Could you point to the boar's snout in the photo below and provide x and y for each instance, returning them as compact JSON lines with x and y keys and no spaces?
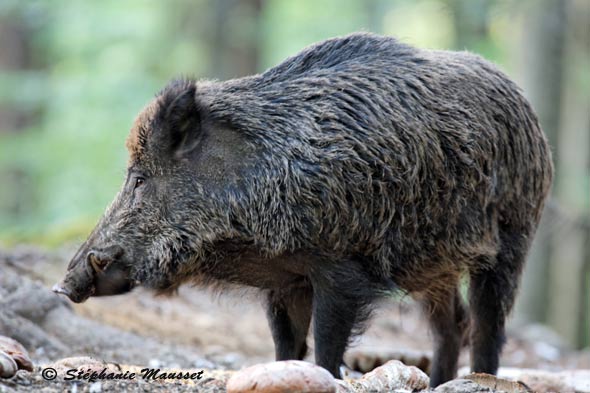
{"x":96,"y":272}
{"x":58,"y":288}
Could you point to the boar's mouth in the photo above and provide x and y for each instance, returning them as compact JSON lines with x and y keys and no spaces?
{"x":98,"y":273}
{"x":76,"y":297}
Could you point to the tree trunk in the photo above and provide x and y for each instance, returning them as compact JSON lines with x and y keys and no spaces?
{"x":471,"y":22}
{"x":236,"y":43}
{"x":568,"y":282}
{"x":14,"y":57}
{"x":542,"y":49}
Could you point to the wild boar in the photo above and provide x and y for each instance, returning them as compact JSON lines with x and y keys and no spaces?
{"x":358,"y":166}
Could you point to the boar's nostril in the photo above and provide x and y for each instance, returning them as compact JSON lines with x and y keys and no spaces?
{"x":61,"y":290}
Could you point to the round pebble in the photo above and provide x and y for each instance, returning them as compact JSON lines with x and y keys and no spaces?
{"x":17,"y":352}
{"x":8,"y":366}
{"x":282,"y":377}
{"x":391,"y":376}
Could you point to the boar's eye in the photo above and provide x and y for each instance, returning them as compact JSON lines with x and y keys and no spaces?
{"x":139,"y":182}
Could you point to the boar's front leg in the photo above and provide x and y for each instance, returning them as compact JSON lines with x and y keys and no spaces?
{"x":342,"y":296}
{"x":289,"y":315}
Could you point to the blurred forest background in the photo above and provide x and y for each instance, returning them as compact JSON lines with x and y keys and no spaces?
{"x":73,"y":75}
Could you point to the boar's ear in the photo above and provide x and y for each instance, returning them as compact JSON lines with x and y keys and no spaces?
{"x":183,"y":119}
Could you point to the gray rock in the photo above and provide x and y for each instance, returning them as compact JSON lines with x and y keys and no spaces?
{"x":463,"y":386}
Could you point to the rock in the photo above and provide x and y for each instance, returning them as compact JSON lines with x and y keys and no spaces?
{"x":285,"y":376}
{"x":8,"y":366}
{"x":496,"y":383}
{"x":463,"y":386}
{"x":393,"y":375}
{"x":344,"y":387}
{"x":368,"y":358}
{"x":17,"y":352}
{"x":480,"y":383}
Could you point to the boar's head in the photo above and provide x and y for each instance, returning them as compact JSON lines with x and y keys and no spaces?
{"x":173,"y":206}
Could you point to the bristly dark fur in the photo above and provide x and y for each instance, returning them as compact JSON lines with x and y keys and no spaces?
{"x":358,"y":164}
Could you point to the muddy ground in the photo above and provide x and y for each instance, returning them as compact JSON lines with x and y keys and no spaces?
{"x":196,"y":330}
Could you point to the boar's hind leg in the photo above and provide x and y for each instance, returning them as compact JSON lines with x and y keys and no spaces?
{"x":491,"y":297}
{"x":342,"y":295}
{"x":289,"y":315}
{"x":448,"y":320}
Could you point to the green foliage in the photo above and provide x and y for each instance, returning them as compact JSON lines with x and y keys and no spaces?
{"x":97,"y":64}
